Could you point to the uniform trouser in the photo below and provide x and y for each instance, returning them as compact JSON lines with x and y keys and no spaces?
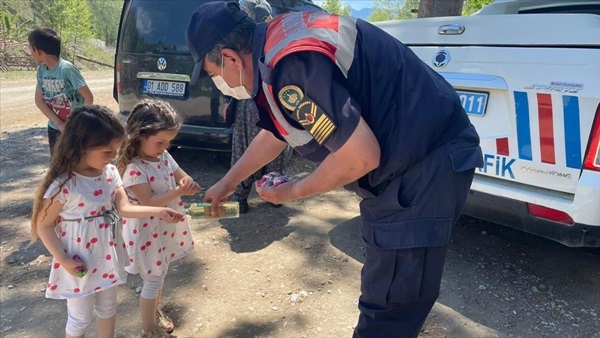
{"x":411,"y":278}
{"x":244,"y":131}
{"x":406,"y":228}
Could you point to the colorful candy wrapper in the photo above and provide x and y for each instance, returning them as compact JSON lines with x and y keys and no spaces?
{"x":79,"y":270}
{"x":272,"y":179}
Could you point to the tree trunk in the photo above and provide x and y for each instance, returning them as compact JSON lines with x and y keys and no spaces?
{"x":429,"y":8}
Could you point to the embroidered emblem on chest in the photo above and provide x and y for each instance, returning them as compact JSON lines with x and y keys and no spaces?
{"x":290,"y":96}
{"x":314,"y":119}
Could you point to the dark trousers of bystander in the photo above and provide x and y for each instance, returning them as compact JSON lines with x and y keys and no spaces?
{"x":244,"y":131}
{"x":53,"y":135}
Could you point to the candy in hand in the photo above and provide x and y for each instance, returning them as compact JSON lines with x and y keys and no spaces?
{"x":79,"y":270}
{"x":272,"y":179}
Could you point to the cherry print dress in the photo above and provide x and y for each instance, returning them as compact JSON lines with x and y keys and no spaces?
{"x":152,"y":243}
{"x":84,"y":230}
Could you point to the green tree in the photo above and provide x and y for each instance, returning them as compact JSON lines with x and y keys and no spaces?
{"x":13,"y":26}
{"x":407,"y":9}
{"x":393,"y":10}
{"x":105,"y":19}
{"x":70,"y":18}
{"x":336,"y":7}
{"x":472,"y":6}
{"x":77,"y":25}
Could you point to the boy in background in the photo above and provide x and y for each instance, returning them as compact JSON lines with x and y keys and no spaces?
{"x":60,"y":86}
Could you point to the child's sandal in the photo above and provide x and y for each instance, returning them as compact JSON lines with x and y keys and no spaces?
{"x":157,"y":332}
{"x":164,"y":322}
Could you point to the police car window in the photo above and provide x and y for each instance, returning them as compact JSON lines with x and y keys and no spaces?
{"x":157,"y":26}
{"x":569,"y":9}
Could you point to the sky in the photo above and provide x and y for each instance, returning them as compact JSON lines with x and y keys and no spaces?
{"x":356,"y":4}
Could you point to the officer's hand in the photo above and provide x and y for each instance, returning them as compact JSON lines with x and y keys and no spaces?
{"x":276,"y":195}
{"x":216,"y":194}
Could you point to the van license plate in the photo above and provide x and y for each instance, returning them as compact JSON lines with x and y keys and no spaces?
{"x":474,"y":103}
{"x":167,"y":88}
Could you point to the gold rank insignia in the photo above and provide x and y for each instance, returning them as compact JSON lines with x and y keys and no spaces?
{"x":314,"y":119}
{"x":290,"y":96}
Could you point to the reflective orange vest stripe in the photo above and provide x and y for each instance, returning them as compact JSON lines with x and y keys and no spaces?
{"x":332,"y":35}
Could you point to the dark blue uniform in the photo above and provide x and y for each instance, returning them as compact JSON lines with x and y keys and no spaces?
{"x":428,"y":152}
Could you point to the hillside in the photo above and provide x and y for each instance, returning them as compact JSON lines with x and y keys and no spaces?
{"x":23,"y":7}
{"x":19,"y":17}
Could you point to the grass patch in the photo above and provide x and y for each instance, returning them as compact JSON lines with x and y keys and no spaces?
{"x":98,"y":54}
{"x":18,"y":74}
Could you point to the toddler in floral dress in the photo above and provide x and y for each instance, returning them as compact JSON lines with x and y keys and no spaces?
{"x":152,"y":177}
{"x":75,"y":214}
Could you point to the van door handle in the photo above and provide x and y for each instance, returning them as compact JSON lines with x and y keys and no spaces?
{"x":475,"y":81}
{"x":453,"y":29}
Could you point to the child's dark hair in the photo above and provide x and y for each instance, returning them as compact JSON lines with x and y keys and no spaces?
{"x":45,"y":39}
{"x":147,"y":118}
{"x":86,"y":128}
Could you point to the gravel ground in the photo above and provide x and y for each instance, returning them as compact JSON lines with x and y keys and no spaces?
{"x":287,"y":272}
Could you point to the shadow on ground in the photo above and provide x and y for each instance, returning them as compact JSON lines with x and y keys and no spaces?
{"x":256,"y":230}
{"x":21,"y":154}
{"x":347,"y":238}
{"x":24,"y":157}
{"x":502,"y":264}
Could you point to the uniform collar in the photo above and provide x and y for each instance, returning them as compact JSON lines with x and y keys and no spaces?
{"x":258,"y":43}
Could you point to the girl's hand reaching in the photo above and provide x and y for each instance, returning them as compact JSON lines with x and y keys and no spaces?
{"x":187,"y":186}
{"x":169,"y":215}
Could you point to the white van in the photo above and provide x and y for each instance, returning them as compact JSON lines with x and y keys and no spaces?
{"x":528,"y":75}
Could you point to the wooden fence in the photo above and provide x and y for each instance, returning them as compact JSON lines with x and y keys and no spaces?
{"x":14,"y":55}
{"x":17,"y":63}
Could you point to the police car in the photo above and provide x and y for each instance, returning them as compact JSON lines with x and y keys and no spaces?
{"x":528,"y":75}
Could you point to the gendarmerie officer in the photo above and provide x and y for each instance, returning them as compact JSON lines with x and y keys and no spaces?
{"x":378,"y":121}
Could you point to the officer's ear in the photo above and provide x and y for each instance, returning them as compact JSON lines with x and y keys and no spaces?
{"x":231,"y":56}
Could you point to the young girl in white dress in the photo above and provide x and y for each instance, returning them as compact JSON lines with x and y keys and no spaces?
{"x":75,"y":214}
{"x":152,"y":177}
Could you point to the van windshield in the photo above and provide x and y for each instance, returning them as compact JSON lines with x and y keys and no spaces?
{"x":152,"y":26}
{"x":157,"y":26}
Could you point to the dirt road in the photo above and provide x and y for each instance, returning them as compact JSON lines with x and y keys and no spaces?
{"x":245,"y":276}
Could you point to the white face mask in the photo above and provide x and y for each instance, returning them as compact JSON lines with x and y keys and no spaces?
{"x":239,"y":92}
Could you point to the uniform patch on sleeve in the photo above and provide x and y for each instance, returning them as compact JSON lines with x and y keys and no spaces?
{"x":314,"y":119}
{"x":290,"y":96}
